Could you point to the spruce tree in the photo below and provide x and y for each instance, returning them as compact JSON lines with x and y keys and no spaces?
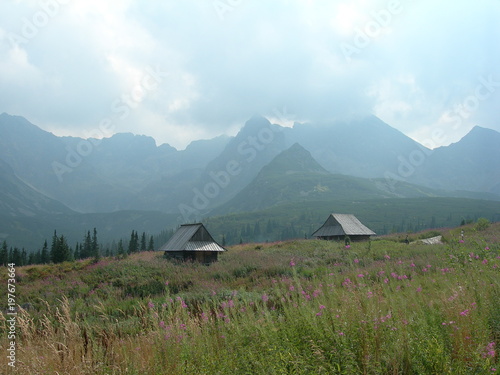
{"x":16,"y":257}
{"x":45,"y":256}
{"x":86,"y":251}
{"x":121,"y":250}
{"x":151,"y":245}
{"x":4,"y":254}
{"x":95,"y":247}
{"x":133,"y":245}
{"x":143,"y":241}
{"x":53,"y":247}
{"x":24,"y":257}
{"x":76,"y":254}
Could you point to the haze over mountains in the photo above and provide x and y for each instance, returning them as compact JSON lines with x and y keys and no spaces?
{"x":262,"y":166}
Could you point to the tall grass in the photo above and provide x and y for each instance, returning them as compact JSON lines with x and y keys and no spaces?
{"x":302,"y":307}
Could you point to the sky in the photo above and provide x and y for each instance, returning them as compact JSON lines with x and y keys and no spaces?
{"x":185,"y":70}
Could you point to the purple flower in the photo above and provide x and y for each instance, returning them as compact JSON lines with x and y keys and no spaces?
{"x":489,"y":350}
{"x":151,"y":304}
{"x":265,"y":298}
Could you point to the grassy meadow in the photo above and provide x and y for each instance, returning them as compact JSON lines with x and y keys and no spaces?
{"x":295,"y":307}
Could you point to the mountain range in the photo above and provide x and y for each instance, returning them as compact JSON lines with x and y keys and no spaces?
{"x":264,"y":165}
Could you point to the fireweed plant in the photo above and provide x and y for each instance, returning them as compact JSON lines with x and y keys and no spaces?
{"x":298,"y":307}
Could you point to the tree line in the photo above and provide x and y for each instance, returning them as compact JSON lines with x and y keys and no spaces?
{"x":89,"y":247}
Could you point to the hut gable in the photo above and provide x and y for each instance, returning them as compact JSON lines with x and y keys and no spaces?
{"x":338,"y":226}
{"x":192,"y":242}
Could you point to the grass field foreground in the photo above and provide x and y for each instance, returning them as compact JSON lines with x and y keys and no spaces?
{"x":297,"y":307}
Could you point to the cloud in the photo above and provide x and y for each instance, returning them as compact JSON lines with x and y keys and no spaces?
{"x":409,"y":62}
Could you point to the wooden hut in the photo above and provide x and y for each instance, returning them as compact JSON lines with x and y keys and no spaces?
{"x":192,"y":242}
{"x":342,"y":226}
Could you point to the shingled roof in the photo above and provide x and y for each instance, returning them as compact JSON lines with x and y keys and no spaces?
{"x":342,"y":225}
{"x":192,"y":237}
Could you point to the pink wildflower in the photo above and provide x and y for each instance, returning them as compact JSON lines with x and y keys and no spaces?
{"x":151,"y":304}
{"x":356,"y":261}
{"x":292,"y":263}
{"x":489,"y":351}
{"x":265,"y":298}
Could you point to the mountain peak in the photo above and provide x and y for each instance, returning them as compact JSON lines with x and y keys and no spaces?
{"x":479,"y":137}
{"x":292,"y":160}
{"x":254,"y":124}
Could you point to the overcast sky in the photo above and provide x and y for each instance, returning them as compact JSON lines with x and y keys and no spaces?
{"x":185,"y":70}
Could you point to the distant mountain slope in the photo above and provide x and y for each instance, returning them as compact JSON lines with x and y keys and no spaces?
{"x":96,"y":175}
{"x":294,"y":176}
{"x":129,"y":172}
{"x":472,"y":164}
{"x":365,"y":147}
{"x":19,"y":199}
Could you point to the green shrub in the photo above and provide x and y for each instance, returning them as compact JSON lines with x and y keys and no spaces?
{"x":482,"y":224}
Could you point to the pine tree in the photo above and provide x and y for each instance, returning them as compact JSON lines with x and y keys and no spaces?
{"x":64,"y":250}
{"x":95,"y":247}
{"x":53,"y":247}
{"x":77,"y":254}
{"x":45,"y":256}
{"x":86,"y":251}
{"x":121,"y":251}
{"x":37,"y":258}
{"x":143,"y":241}
{"x":16,"y":257}
{"x":4,"y":254}
{"x":24,"y":257}
{"x":133,"y":245}
{"x":151,"y":246}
